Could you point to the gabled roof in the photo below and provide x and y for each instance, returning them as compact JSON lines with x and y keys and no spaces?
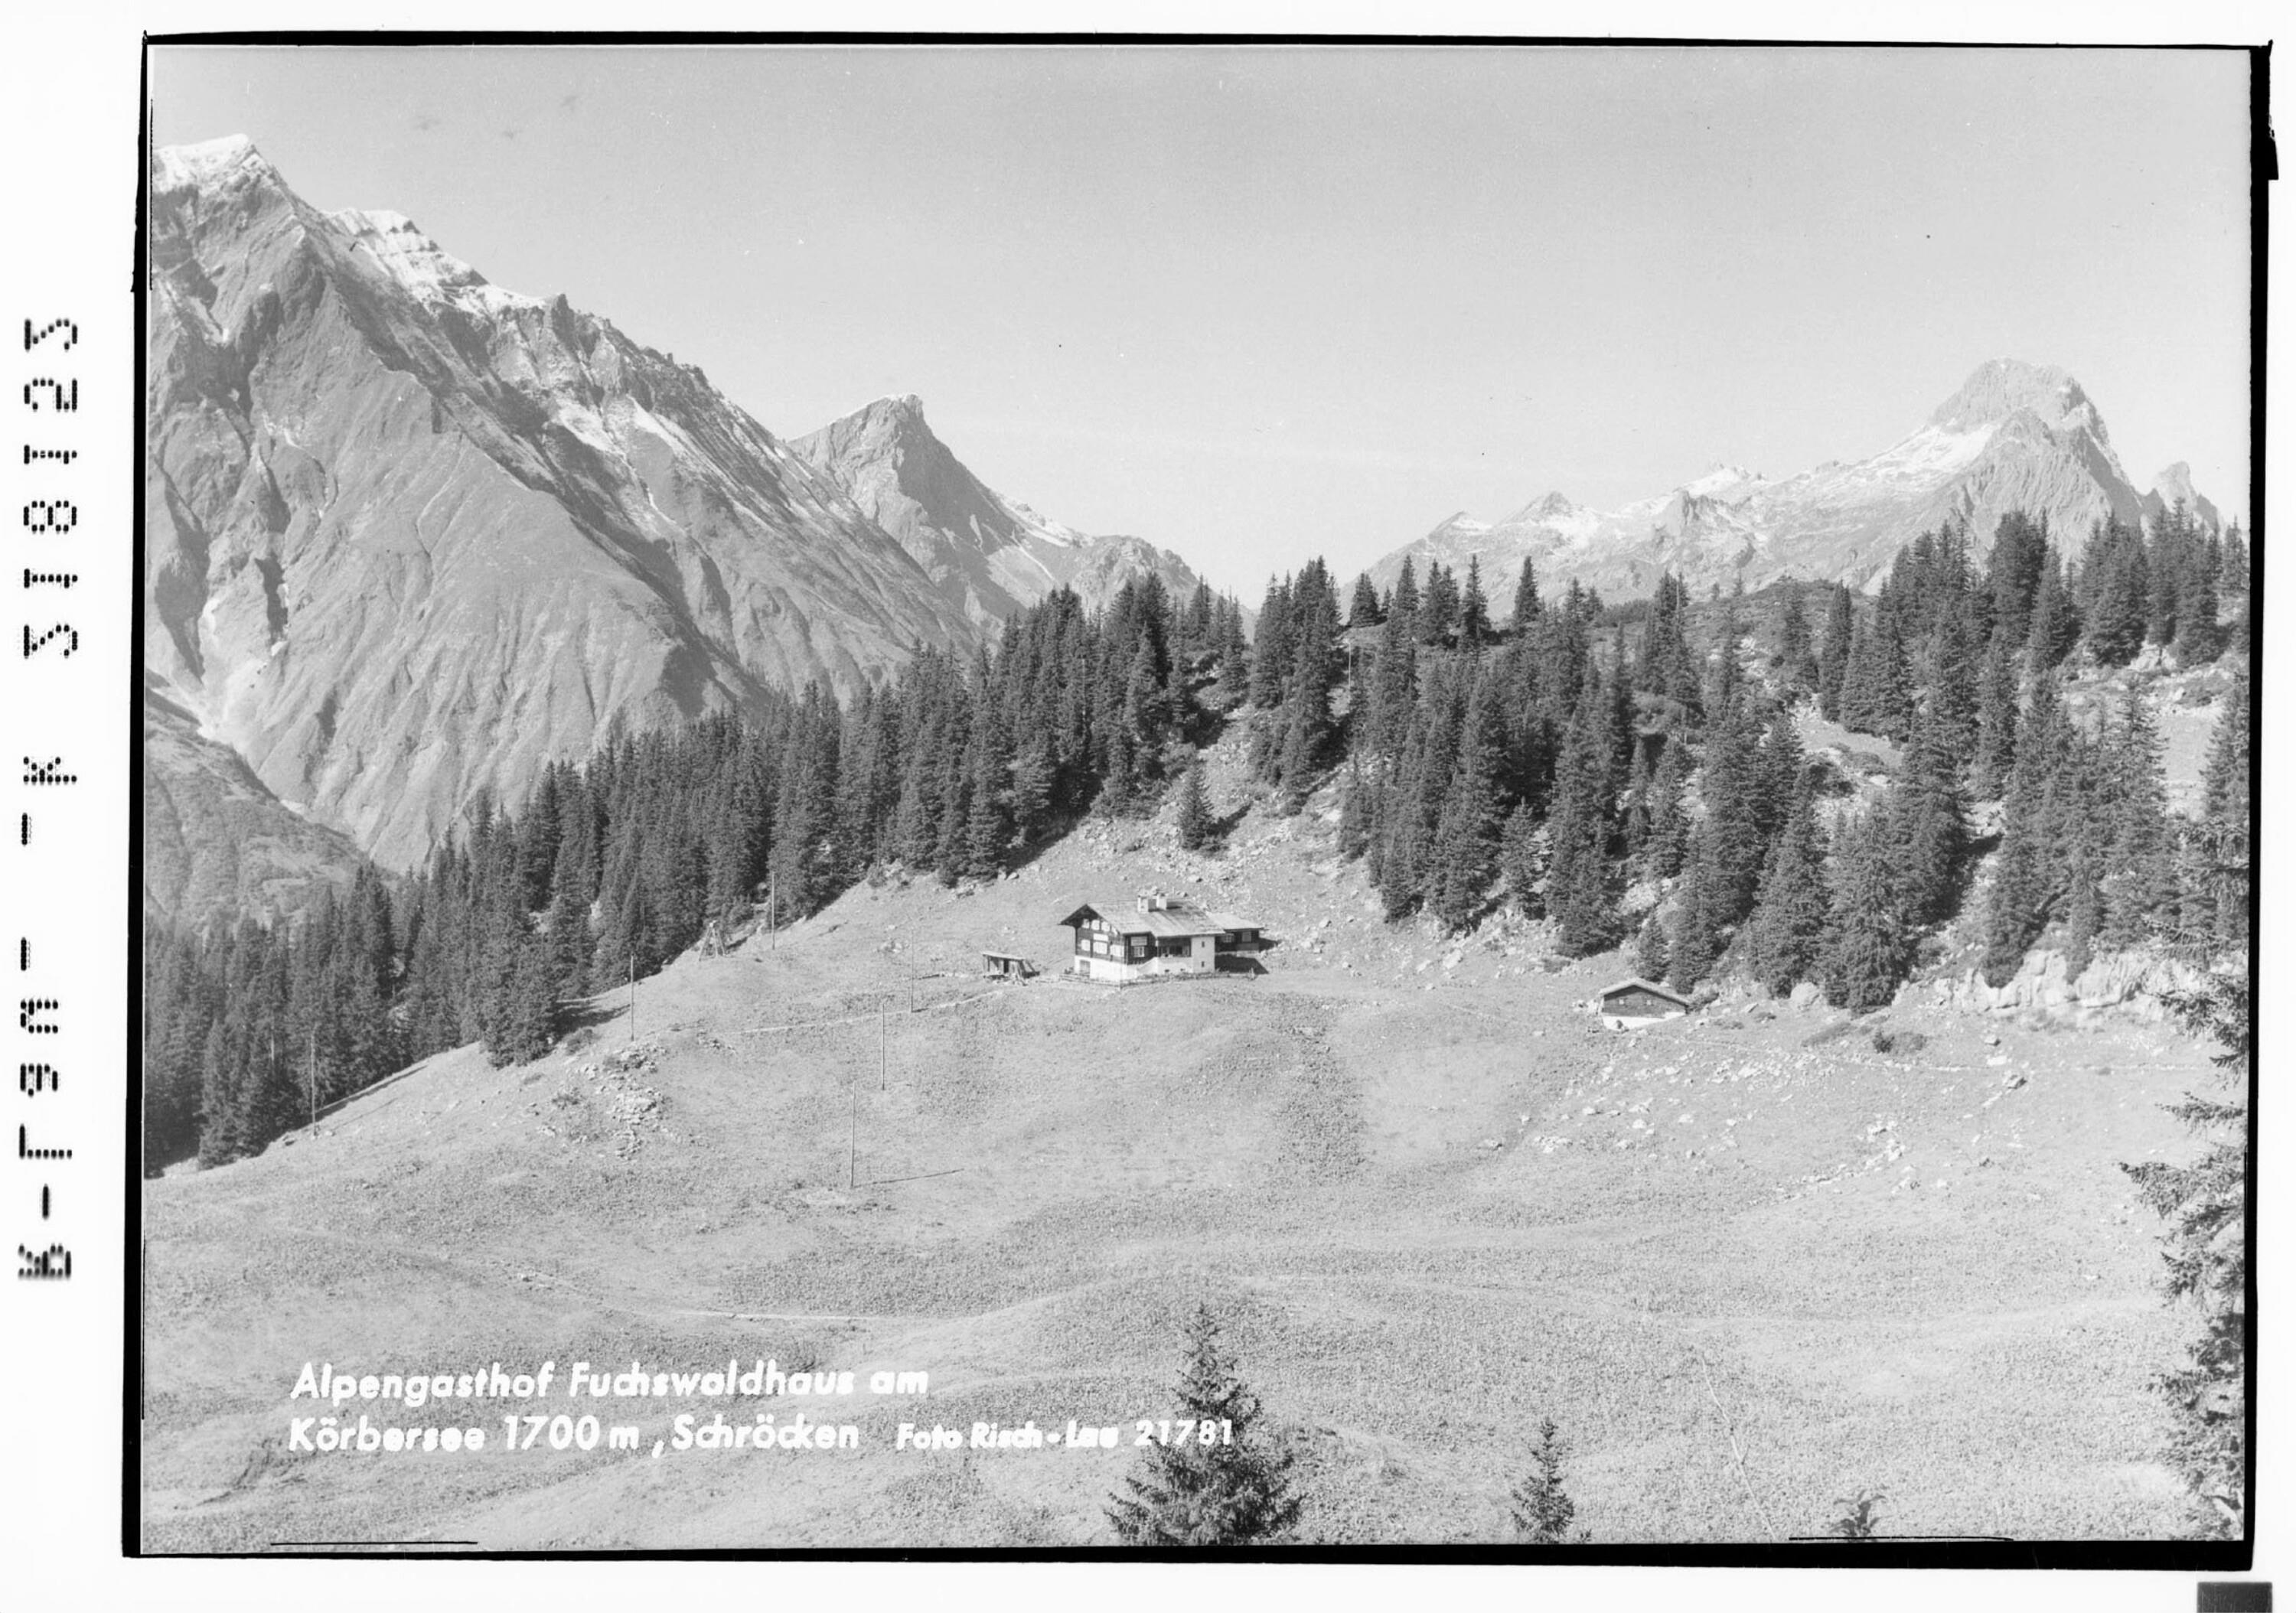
{"x":1175,"y":921}
{"x":1636,"y":983}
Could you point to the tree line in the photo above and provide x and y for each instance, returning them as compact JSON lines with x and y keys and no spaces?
{"x":1647,"y":786}
{"x":612,"y":866}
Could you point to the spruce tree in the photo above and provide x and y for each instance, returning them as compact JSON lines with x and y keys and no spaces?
{"x":2223,"y":833}
{"x":989,"y":821}
{"x":1195,"y":817}
{"x":1523,"y":860}
{"x":1034,"y":779}
{"x":1363,"y":610}
{"x":568,"y":939}
{"x":1997,"y":717}
{"x":1667,"y":839}
{"x":2084,"y":911}
{"x":1858,"y":703}
{"x":1582,"y":895}
{"x":2142,"y":889}
{"x":1950,"y":678}
{"x":1466,"y":847}
{"x":1394,"y":689}
{"x":1438,"y":606}
{"x":1790,"y":915}
{"x":2205,"y":1204}
{"x":2056,"y":620}
{"x":1866,"y":950}
{"x":2013,"y":573}
{"x":1695,"y":942}
{"x":2117,"y":594}
{"x":1226,"y":1483}
{"x":1798,"y":668}
{"x":527,"y":1022}
{"x":1652,"y":957}
{"x":1474,"y":609}
{"x":2017,"y":906}
{"x":1541,"y":1510}
{"x":1403,"y":599}
{"x":1526,"y":600}
{"x":1357,"y":808}
{"x":1833,"y":658}
{"x":1925,"y":823}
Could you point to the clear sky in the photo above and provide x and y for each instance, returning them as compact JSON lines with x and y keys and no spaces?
{"x":1255,"y":304}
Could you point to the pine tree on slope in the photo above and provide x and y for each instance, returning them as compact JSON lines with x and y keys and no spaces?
{"x":1866,"y":952}
{"x":1236,"y":1490}
{"x":1195,"y":811}
{"x":1789,"y":925}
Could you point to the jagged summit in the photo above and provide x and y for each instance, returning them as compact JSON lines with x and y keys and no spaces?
{"x":1720,"y":479}
{"x":990,"y":555}
{"x":2173,"y":487}
{"x":209,"y":163}
{"x":2002,"y":386}
{"x":2015,"y":436}
{"x":1546,"y":508}
{"x":412,"y":534}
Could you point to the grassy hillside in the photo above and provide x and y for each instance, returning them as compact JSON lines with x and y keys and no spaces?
{"x":1748,"y":1260}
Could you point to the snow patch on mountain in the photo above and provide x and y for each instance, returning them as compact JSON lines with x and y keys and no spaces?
{"x":421,"y":265}
{"x":2014,"y":436}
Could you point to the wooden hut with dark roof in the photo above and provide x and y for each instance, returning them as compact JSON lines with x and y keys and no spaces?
{"x":1633,"y":1002}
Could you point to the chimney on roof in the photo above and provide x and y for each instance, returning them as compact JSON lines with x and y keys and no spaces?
{"x":1154,"y":901}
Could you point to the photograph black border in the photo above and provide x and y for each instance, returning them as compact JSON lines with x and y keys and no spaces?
{"x":2153,"y":1556}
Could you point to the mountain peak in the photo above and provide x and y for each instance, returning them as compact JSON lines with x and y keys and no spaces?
{"x":210,"y":163}
{"x":1548,"y":507}
{"x":2174,"y":486}
{"x":900,"y":416}
{"x":2003,"y":387}
{"x":1721,"y":478}
{"x":2014,"y":436}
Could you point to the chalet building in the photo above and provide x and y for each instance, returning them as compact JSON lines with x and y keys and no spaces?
{"x":1157,"y":936}
{"x":1633,"y":1002}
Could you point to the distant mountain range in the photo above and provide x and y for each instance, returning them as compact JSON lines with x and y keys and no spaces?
{"x":2015,"y":436}
{"x":412,"y":534}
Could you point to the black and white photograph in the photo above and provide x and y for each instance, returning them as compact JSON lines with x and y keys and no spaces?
{"x":971,"y":796}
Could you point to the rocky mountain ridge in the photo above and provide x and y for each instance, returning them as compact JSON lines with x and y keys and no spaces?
{"x":2015,"y":436}
{"x":989,"y":555}
{"x":412,"y":536}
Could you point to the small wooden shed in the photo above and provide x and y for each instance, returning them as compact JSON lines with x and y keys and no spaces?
{"x":1633,"y":1002}
{"x":1006,"y":965}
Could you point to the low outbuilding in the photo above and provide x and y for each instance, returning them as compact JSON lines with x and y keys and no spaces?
{"x":1633,"y":1002}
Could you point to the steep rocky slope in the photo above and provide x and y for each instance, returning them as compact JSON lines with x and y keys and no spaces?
{"x":2015,"y":436}
{"x":412,"y":534}
{"x":216,"y":844}
{"x":988,"y":554}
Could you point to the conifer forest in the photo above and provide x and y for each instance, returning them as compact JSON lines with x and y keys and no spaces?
{"x":1513,"y":742}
